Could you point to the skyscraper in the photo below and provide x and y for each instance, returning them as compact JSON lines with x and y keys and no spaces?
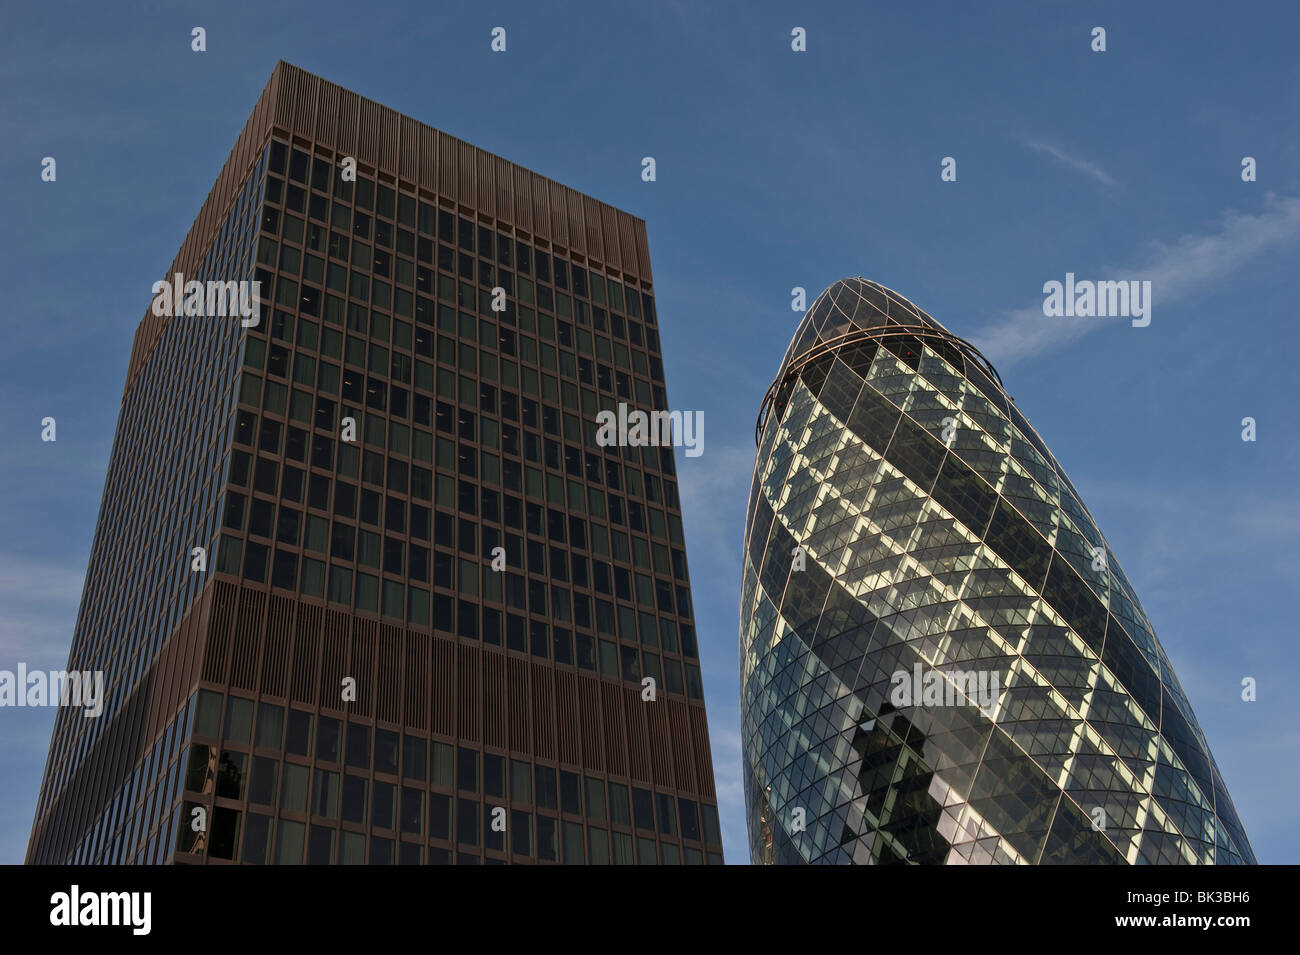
{"x":365,"y":587}
{"x":941,"y":659}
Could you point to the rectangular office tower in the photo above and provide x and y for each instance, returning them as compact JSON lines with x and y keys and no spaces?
{"x":365,"y":587}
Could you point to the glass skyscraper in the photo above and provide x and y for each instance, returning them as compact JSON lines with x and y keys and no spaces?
{"x":365,"y":587}
{"x":941,"y":659}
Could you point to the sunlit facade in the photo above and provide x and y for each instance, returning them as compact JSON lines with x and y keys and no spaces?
{"x":941,"y":659}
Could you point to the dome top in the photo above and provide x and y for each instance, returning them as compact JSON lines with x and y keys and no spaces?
{"x":853,"y":303}
{"x":856,"y":310}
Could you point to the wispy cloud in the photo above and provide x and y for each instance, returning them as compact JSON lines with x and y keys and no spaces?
{"x":1077,"y":163}
{"x":1183,"y":528}
{"x":1175,"y":269}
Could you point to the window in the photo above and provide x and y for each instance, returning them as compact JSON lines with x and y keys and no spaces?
{"x":618,"y":805}
{"x":412,"y":812}
{"x":467,"y":769}
{"x":325,"y":794}
{"x":354,"y":798}
{"x":386,"y":742}
{"x":231,"y":776}
{"x":467,"y":822}
{"x":261,"y":787}
{"x":208,"y":720}
{"x":293,"y":788}
{"x":521,"y":836}
{"x":298,"y":740}
{"x":225,"y":833}
{"x":289,"y":842}
{"x":570,"y":798}
{"x":320,"y":846}
{"x":358,"y":745}
{"x":327,"y":740}
{"x":440,"y":759}
{"x":667,"y":815}
{"x":384,"y":806}
{"x":521,"y":782}
{"x":413,"y":758}
{"x":439,"y":816}
{"x":595,"y":799}
{"x":200,"y":770}
{"x":494,"y":775}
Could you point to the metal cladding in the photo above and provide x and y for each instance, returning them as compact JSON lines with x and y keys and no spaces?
{"x":366,"y":585}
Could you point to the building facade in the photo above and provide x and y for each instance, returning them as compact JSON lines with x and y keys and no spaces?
{"x":365,"y":587}
{"x":941,"y":659}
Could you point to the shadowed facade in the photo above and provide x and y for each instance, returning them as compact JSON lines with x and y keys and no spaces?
{"x":349,"y":679}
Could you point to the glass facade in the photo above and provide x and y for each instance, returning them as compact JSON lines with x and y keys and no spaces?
{"x":941,"y":659}
{"x":162,"y":498}
{"x":367,"y":686}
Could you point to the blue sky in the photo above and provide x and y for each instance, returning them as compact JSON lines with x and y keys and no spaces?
{"x":775,"y":169}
